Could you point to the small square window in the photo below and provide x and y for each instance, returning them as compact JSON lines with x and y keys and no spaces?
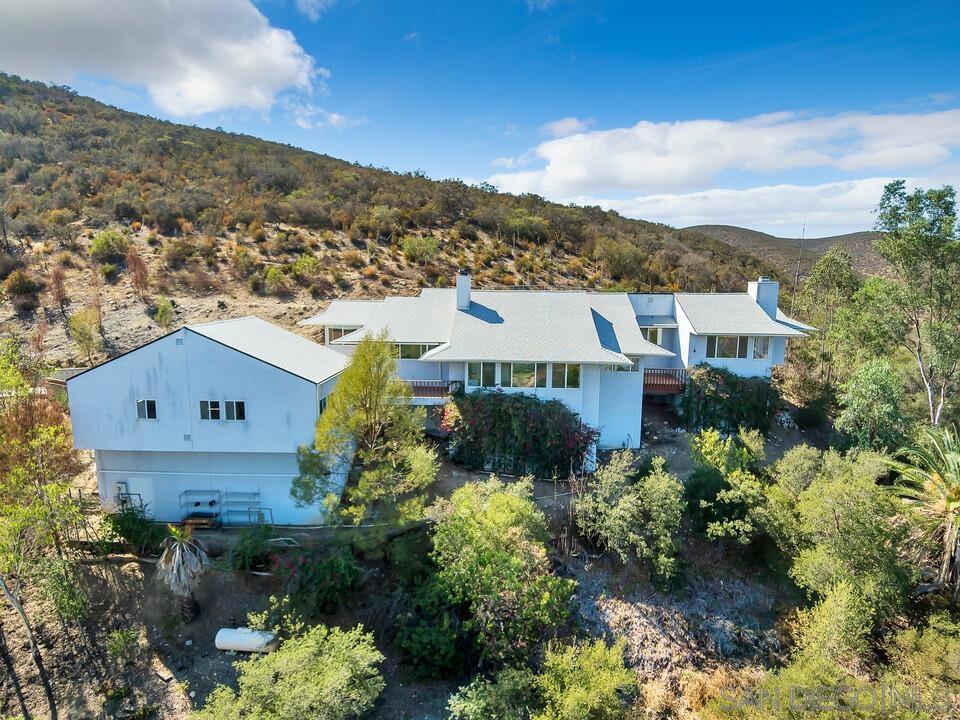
{"x":234,"y":410}
{"x":209,"y":409}
{"x":147,"y":409}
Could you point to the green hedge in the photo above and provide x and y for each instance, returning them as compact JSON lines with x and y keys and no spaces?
{"x":717,"y":398}
{"x":517,"y":433}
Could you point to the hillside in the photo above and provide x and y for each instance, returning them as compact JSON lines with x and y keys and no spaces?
{"x":783,"y":252}
{"x":228,"y":224}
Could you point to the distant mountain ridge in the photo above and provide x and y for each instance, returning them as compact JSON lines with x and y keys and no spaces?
{"x":784,"y":252}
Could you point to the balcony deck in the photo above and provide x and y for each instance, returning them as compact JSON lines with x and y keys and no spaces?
{"x":434,"y":389}
{"x":664,"y":381}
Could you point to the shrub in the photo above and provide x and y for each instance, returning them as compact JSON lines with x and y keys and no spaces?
{"x":419,"y":248}
{"x":60,"y":583}
{"x":177,"y":251}
{"x":109,"y":246}
{"x":490,"y":545}
{"x":429,"y":632}
{"x":164,"y":314}
{"x":511,"y":695}
{"x":275,"y":281}
{"x":319,"y":582}
{"x":837,"y":627}
{"x":251,"y":549}
{"x":327,"y":674}
{"x":517,"y":434}
{"x":717,"y":398}
{"x":109,"y":272}
{"x":641,"y":519}
{"x":122,"y":646}
{"x":585,"y":681}
{"x":85,"y":331}
{"x":132,"y":527}
{"x":725,"y":497}
{"x":20,"y":285}
{"x":306,"y":269}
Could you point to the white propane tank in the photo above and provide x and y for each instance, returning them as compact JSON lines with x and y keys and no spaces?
{"x":246,"y":640}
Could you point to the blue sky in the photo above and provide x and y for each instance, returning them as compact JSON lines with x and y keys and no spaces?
{"x":743,"y":113}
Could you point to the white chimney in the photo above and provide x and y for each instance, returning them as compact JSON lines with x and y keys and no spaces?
{"x":765,"y":293}
{"x":463,"y":290}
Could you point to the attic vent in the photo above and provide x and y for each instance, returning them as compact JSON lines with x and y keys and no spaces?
{"x":179,"y":341}
{"x":186,"y":437}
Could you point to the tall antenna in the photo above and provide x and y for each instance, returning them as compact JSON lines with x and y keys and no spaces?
{"x":796,"y":277}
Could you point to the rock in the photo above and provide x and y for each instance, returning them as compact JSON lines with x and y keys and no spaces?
{"x":164,"y":675}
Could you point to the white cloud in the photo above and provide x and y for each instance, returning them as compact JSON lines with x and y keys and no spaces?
{"x":314,"y":9}
{"x":310,"y":117}
{"x":412,"y":37}
{"x":192,"y":57}
{"x":690,"y":155}
{"x":540,"y":4}
{"x":826,"y":209}
{"x":566,"y":126}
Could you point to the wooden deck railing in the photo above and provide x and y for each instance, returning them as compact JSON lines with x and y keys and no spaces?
{"x":664,"y":381}
{"x":434,"y":388}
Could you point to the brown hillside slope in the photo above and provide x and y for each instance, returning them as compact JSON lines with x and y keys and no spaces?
{"x":783,"y":252}
{"x":229,"y":224}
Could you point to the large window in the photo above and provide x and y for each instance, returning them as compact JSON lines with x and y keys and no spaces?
{"x":147,"y":409}
{"x":412,"y":351}
{"x":761,"y":348}
{"x":231,"y":410}
{"x":652,"y":334}
{"x":566,"y":375}
{"x":481,"y":374}
{"x":523,"y":375}
{"x":727,"y":346}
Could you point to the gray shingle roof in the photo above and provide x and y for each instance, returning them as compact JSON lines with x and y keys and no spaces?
{"x":730,"y":314}
{"x":345,"y":312}
{"x":545,"y":326}
{"x":275,"y":346}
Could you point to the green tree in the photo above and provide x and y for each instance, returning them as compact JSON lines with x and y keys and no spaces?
{"x":870,"y":404}
{"x":929,"y":483}
{"x":489,"y":542}
{"x":510,"y":695}
{"x":85,"y":331}
{"x":792,"y":474}
{"x":829,"y":288}
{"x":921,"y":244}
{"x":324,"y":674}
{"x":369,"y":412}
{"x":851,"y":532}
{"x":641,"y":519}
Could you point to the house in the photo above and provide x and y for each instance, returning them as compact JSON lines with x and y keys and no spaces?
{"x":600,"y":353}
{"x":204,"y":423}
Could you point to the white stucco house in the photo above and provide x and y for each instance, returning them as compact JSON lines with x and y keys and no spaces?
{"x":600,"y":353}
{"x":206,"y":421}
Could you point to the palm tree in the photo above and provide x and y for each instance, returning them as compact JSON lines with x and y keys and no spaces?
{"x":180,"y":566}
{"x":930,"y":483}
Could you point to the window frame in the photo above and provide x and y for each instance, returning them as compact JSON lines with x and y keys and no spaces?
{"x":648,"y":330}
{"x":566,"y":368}
{"x":210,"y":408}
{"x":538,"y":375}
{"x":482,"y":366}
{"x":236,"y":408}
{"x":740,"y":351}
{"x":146,"y":406}
{"x":765,"y":340}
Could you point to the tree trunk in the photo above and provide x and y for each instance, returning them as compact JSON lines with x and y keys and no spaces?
{"x":34,"y":648}
{"x":189,"y":608}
